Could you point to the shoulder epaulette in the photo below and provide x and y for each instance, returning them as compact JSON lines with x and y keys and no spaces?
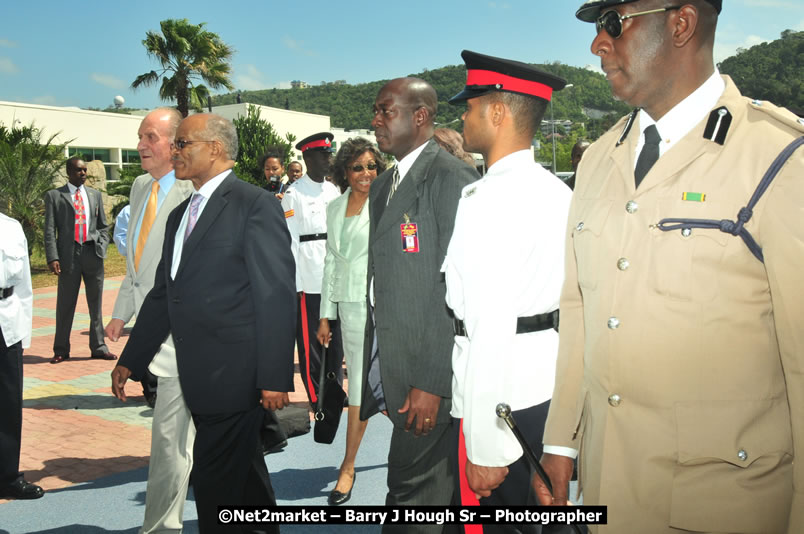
{"x":627,"y":128}
{"x":783,"y":115}
{"x":718,"y":124}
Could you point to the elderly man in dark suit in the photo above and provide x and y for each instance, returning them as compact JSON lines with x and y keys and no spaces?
{"x":412,"y":211}
{"x":225,"y":290}
{"x":76,"y":236}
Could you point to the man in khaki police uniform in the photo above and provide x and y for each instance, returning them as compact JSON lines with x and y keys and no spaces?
{"x":681,"y":362}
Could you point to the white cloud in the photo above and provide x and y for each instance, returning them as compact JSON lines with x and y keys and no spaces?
{"x":298,"y":46}
{"x":8,"y":44}
{"x":107,"y":80}
{"x":724,"y":50}
{"x":7,"y":66}
{"x":284,"y":85}
{"x":251,"y":80}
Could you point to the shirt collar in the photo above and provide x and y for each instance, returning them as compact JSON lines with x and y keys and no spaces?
{"x":208,"y":188}
{"x":683,"y":117}
{"x":407,"y":162}
{"x":73,"y":188}
{"x":166,"y":182}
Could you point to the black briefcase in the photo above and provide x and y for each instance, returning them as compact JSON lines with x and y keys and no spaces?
{"x":329,"y":406}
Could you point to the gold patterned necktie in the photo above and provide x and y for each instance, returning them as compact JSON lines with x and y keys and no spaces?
{"x":147,"y":222}
{"x":394,"y":183}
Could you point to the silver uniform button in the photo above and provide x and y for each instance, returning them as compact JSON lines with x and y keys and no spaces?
{"x":686,"y":232}
{"x":613,"y":323}
{"x":631,"y":206}
{"x":615,"y":400}
{"x":579,"y":226}
{"x":742,"y":455}
{"x":623,"y":264}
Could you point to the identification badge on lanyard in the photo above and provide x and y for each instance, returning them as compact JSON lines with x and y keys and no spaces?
{"x":410,"y":235}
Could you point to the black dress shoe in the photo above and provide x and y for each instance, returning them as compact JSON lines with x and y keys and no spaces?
{"x":21,"y":489}
{"x":58,"y":358}
{"x":336,"y":497}
{"x":104,"y":356}
{"x":150,"y":399}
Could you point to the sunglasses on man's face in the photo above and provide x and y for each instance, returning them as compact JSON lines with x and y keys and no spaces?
{"x":359,"y":168}
{"x":612,"y":22}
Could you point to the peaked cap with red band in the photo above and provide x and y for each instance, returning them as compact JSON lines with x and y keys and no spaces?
{"x":485,"y":74}
{"x":319,"y":141}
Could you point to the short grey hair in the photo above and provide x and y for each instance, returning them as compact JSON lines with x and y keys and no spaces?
{"x":220,"y":129}
{"x":174,"y":119}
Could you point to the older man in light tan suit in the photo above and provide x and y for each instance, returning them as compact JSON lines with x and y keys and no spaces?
{"x":680,"y":377}
{"x":153,"y":197}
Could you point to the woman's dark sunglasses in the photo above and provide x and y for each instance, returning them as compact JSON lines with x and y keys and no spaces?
{"x":612,"y":22}
{"x":359,"y":168}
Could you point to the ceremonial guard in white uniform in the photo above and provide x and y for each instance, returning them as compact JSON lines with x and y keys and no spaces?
{"x":504,"y":271}
{"x":305,"y":205}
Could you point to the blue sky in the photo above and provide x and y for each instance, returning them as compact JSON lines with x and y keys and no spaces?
{"x":84,"y":53}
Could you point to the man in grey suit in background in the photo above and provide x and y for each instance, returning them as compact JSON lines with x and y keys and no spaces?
{"x":76,"y":236}
{"x":412,"y":212}
{"x":153,"y":197}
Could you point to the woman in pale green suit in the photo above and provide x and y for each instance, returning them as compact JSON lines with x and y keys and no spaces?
{"x":343,"y":292}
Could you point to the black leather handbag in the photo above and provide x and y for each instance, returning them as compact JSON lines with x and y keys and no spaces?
{"x":329,"y":406}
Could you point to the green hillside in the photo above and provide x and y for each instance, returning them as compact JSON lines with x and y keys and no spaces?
{"x":771,"y":71}
{"x":349,"y":106}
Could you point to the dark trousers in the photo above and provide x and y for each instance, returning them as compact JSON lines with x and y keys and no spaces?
{"x":229,"y":469}
{"x":10,"y":411}
{"x":307,"y":316}
{"x":420,"y":473}
{"x":87,"y":265}
{"x":515,"y":489}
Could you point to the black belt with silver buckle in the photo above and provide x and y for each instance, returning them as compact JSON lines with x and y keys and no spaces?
{"x":312,"y":237}
{"x":6,"y":292}
{"x":524,"y":325}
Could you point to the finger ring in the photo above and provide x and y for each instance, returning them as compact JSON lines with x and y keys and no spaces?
{"x":427,"y":419}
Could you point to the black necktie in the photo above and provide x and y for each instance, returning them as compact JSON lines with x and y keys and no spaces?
{"x":649,"y":154}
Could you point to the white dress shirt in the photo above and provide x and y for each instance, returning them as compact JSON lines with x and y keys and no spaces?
{"x":505,"y":260}
{"x":205,"y":192}
{"x":16,"y":311}
{"x":305,"y":205}
{"x":680,"y":120}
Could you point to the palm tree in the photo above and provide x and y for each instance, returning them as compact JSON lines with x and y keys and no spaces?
{"x":186,"y":52}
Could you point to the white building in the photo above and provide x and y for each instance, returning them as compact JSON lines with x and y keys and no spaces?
{"x":112,"y":137}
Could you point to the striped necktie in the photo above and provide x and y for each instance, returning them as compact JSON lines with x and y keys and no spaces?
{"x":394,"y":183}
{"x":193,"y":215}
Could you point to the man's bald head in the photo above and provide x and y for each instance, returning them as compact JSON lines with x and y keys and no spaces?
{"x":404,"y":115}
{"x":418,"y":94}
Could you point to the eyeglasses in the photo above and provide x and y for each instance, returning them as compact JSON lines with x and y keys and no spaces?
{"x":180,"y":144}
{"x":612,"y":22}
{"x":359,"y":168}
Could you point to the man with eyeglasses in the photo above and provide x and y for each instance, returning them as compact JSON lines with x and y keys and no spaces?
{"x":305,"y":204}
{"x":153,"y":196}
{"x":681,"y":371}
{"x":224,"y":290}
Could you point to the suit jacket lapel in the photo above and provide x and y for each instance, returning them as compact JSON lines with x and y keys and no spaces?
{"x":214,"y":205}
{"x":65,"y":193}
{"x":408,"y":190}
{"x":338,"y":221}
